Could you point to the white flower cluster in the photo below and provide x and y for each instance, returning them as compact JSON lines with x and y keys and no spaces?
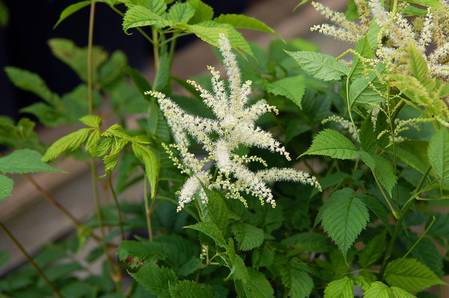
{"x":345,"y":124}
{"x":396,"y":34}
{"x":234,"y":126}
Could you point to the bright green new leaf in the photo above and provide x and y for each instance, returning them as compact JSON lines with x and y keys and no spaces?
{"x":181,"y":12}
{"x":417,"y":64}
{"x":67,"y":143}
{"x":31,"y":82}
{"x":380,"y":290}
{"x":24,"y":161}
{"x":320,"y":66}
{"x":69,"y":10}
{"x":6,"y":186}
{"x":438,"y":154}
{"x":241,"y":21}
{"x":93,"y":121}
{"x":248,"y":236}
{"x":344,"y":216}
{"x":340,"y":288}
{"x":410,"y":275}
{"x":211,"y":230}
{"x":333,"y":144}
{"x":139,"y":16}
{"x":151,"y":164}
{"x":203,"y":12}
{"x":291,"y":87}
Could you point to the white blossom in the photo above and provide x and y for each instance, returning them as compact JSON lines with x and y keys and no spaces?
{"x":234,"y":125}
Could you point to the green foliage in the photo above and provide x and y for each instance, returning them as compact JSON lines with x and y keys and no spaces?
{"x":292,"y":87}
{"x":411,"y":275}
{"x":248,"y":236}
{"x":240,"y":21}
{"x":438,"y":154}
{"x":69,"y":10}
{"x":24,"y":161}
{"x":333,"y":144}
{"x":380,"y":290}
{"x":6,"y":186}
{"x":341,"y":288}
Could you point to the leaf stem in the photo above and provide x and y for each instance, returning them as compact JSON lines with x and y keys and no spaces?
{"x":117,"y":205}
{"x":148,"y":210}
{"x":156,"y":50}
{"x":90,"y":62}
{"x":420,"y":237}
{"x":30,"y":259}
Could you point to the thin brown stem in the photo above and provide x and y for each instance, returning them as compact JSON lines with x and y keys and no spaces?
{"x":30,"y":259}
{"x":117,"y":205}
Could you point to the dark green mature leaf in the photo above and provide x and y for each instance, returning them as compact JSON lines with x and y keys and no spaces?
{"x":373,"y":250}
{"x":382,"y":169}
{"x":191,"y":289}
{"x":217,"y":209}
{"x":291,"y":87}
{"x":411,"y":275}
{"x":69,"y":10}
{"x":157,"y":280}
{"x":308,"y":241}
{"x":24,"y":161}
{"x":68,"y":143}
{"x":297,"y":281}
{"x":151,"y":163}
{"x":75,"y":57}
{"x":203,"y":12}
{"x":380,"y":290}
{"x":163,"y":74}
{"x":241,"y":21}
{"x":333,"y":144}
{"x":6,"y":186}
{"x":320,"y":66}
{"x":211,"y":230}
{"x":257,"y":285}
{"x":413,"y":154}
{"x":248,"y":236}
{"x":31,"y":82}
{"x":438,"y":154}
{"x":340,"y":288}
{"x":4,"y":14}
{"x":344,"y":216}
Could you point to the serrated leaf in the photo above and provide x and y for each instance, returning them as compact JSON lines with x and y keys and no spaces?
{"x":248,"y":236}
{"x":320,"y":66}
{"x":203,"y":12}
{"x":308,"y":241}
{"x":382,"y":169}
{"x":140,"y":16}
{"x":31,"y":82}
{"x":380,"y":290}
{"x":68,"y":143}
{"x":410,"y":275}
{"x":6,"y":186}
{"x":373,"y":250}
{"x":343,"y":218}
{"x":157,"y":280}
{"x":180,"y":12}
{"x":417,"y":64}
{"x":333,"y":144}
{"x":25,"y":161}
{"x":69,"y":10}
{"x":340,"y":288}
{"x":239,"y":272}
{"x":298,"y":282}
{"x":257,"y":285}
{"x":190,"y":289}
{"x":211,"y":230}
{"x":217,"y":209}
{"x":241,"y":21}
{"x":438,"y":154}
{"x":93,"y":121}
{"x":291,"y":87}
{"x":151,"y":164}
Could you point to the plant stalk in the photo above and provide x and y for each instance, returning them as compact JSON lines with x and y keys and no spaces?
{"x":30,"y":259}
{"x":117,"y":205}
{"x":148,"y":210}
{"x":90,"y":62}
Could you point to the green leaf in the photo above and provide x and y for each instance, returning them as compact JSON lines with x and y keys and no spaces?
{"x":373,"y":250}
{"x":24,"y":161}
{"x":69,"y":10}
{"x":4,"y":14}
{"x":75,"y":57}
{"x":217,"y":209}
{"x":203,"y":12}
{"x":190,"y":289}
{"x":382,"y":170}
{"x":239,"y":272}
{"x":163,"y":73}
{"x":210,"y":31}
{"x":68,"y":143}
{"x":248,"y":236}
{"x":308,"y":241}
{"x":6,"y":186}
{"x":113,"y":69}
{"x":181,"y":12}
{"x":333,"y":144}
{"x":211,"y":230}
{"x":410,"y":275}
{"x":157,"y":280}
{"x":413,"y":154}
{"x":291,"y":87}
{"x":320,"y":66}
{"x":241,"y":21}
{"x":380,"y":290}
{"x":417,"y":64}
{"x":93,"y":121}
{"x":31,"y":82}
{"x":340,"y":288}
{"x":151,"y":164}
{"x":257,"y":285}
{"x":343,"y":218}
{"x":438,"y":154}
{"x":298,"y":282}
{"x":139,"y":16}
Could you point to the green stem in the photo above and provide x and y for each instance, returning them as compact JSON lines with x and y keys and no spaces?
{"x":420,"y":237}
{"x":386,"y":197}
{"x":117,"y":205}
{"x":156,"y":50}
{"x":148,"y":210}
{"x":394,"y":9}
{"x":30,"y":259}
{"x":90,"y":62}
{"x":138,"y":29}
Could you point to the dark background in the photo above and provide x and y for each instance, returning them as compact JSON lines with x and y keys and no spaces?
{"x":23,"y":43}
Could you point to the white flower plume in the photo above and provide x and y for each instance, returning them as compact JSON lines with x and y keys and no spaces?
{"x":234,"y":125}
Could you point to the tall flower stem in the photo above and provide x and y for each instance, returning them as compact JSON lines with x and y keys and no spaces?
{"x":117,"y":205}
{"x":148,"y":210}
{"x":30,"y":259}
